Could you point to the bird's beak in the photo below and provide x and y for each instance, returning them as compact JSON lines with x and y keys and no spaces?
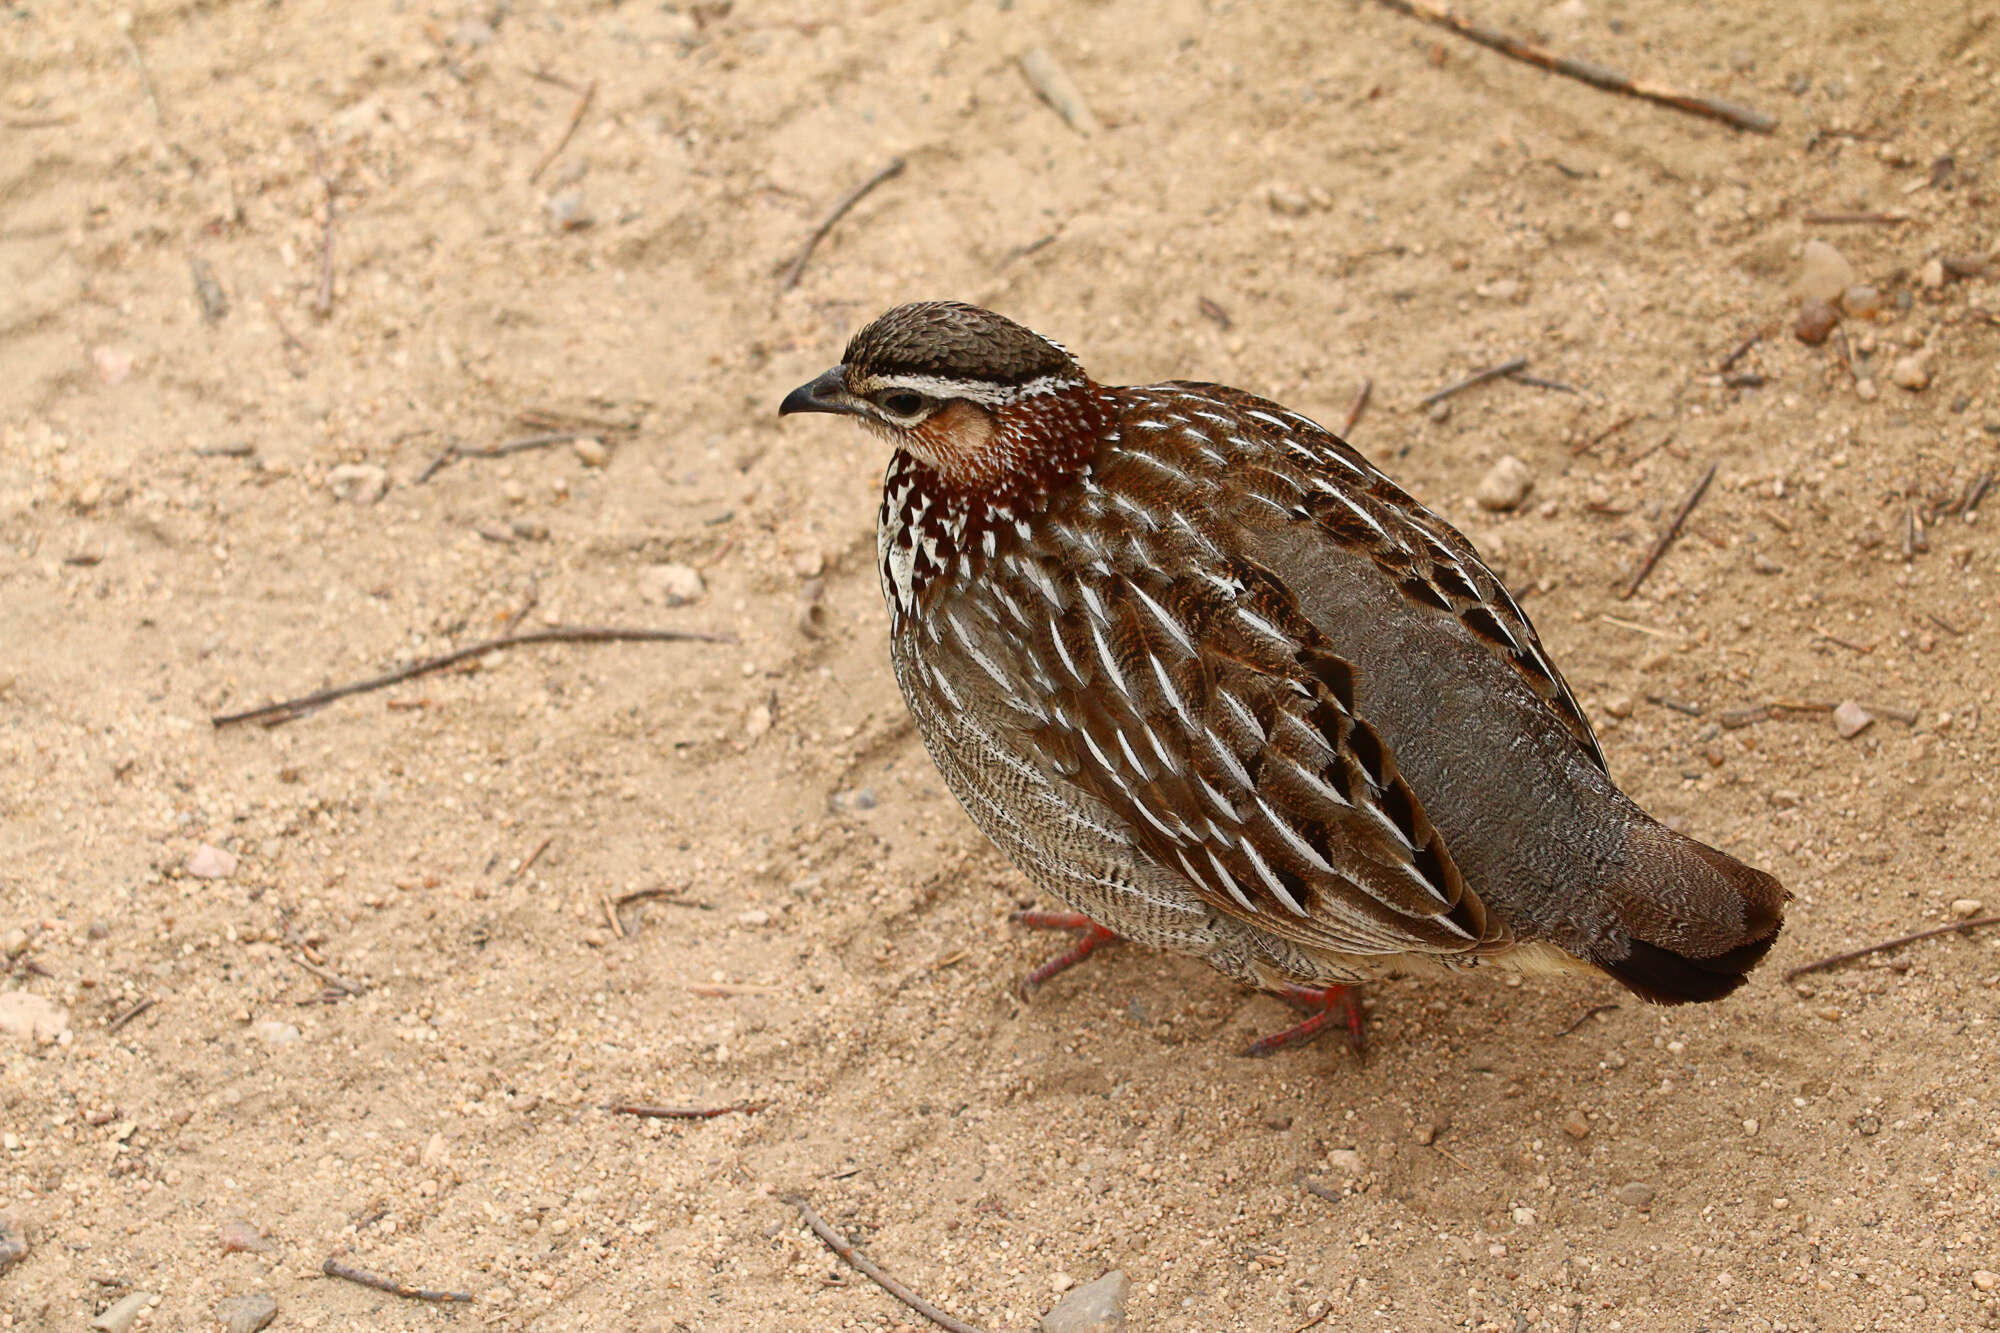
{"x":828,"y":393}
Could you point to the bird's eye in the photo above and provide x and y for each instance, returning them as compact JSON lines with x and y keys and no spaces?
{"x":902,"y":403}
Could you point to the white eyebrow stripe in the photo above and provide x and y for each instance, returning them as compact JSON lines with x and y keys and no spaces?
{"x":979,"y":391}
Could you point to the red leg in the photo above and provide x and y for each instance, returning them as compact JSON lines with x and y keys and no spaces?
{"x":1094,"y":938}
{"x":1322,"y":1003}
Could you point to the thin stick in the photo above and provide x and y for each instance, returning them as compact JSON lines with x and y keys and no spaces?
{"x":335,"y":1268}
{"x":329,"y":976}
{"x":1358,"y":406}
{"x":1314,"y":1188}
{"x":529,"y":859}
{"x":560,"y":634}
{"x":1537,"y":382}
{"x":868,"y":1268}
{"x":145,"y":75}
{"x":665,"y":895}
{"x":1673,"y":529}
{"x":1836,"y":960}
{"x":646,"y":1111}
{"x":1586,"y":1016}
{"x":524,"y":443}
{"x":1597,"y":76}
{"x":1478,"y":377}
{"x":1692,"y":710}
{"x":611,"y":916}
{"x":576,"y":118}
{"x":1863,"y":648}
{"x":1856,"y":219}
{"x":893,"y":167}
{"x":285,"y":330}
{"x":1605,"y":434}
{"x":323,"y":302}
{"x":1738,"y":352}
{"x":1324,"y":1315}
{"x":119,"y":1022}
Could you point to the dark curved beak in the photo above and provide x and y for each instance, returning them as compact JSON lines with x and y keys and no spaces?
{"x":828,"y":393}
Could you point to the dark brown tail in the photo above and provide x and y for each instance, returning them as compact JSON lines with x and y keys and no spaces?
{"x":1697,"y":919}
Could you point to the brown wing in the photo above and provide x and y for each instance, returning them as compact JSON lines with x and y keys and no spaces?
{"x":1431,"y":561}
{"x":1186,"y":693}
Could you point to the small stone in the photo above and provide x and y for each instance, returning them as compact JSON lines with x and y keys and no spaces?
{"x":1288,"y":201}
{"x":1505,"y":484}
{"x":240,"y":1235}
{"x":210,"y":862}
{"x":358,"y":483}
{"x":1815,"y":322}
{"x":1764,"y":564}
{"x":1622,"y":220}
{"x":590,"y":451}
{"x":31,"y":1017}
{"x":530,"y":530}
{"x":1911,"y":372}
{"x":859,"y":798}
{"x":1850,"y":719}
{"x":1784,"y":798}
{"x":1060,"y":1282}
{"x":246,"y":1314}
{"x":1824,"y":272}
{"x":14,"y":941}
{"x":1861,"y":300}
{"x":272,"y":1032}
{"x":1524,"y":1217}
{"x":1931,"y":276}
{"x":568,"y":212}
{"x":118,"y":1316}
{"x":673,"y":585}
{"x":1865,"y":390}
{"x":1985,"y":1279}
{"x":1966,"y":908}
{"x":1346,"y":1159}
{"x":1425,"y":1133}
{"x":757,"y":720}
{"x":756,"y":916}
{"x":1619,"y":705}
{"x":114,"y":364}
{"x":1576,"y":1125}
{"x":1635,"y":1194}
{"x":13,"y":1242}
{"x":1440,"y":411}
{"x":1094,"y":1307}
{"x":1829,"y":1013}
{"x":1751,"y":1126}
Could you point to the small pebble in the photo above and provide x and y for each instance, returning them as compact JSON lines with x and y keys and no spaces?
{"x":1288,"y":201}
{"x":13,"y":1242}
{"x":272,"y":1032}
{"x":1576,"y":1125}
{"x":1524,"y":1217}
{"x":1985,"y":1279}
{"x":14,"y":941}
{"x":210,"y":862}
{"x":568,"y":212}
{"x":530,"y":530}
{"x":1440,"y":412}
{"x":1865,"y":390}
{"x":673,"y":585}
{"x":239,"y":1235}
{"x":1425,"y":1133}
{"x":1967,"y":908}
{"x":1911,"y":372}
{"x":1824,"y":272}
{"x":1346,"y":1159}
{"x":591,"y":451}
{"x":1060,"y":1282}
{"x":1783,"y":799}
{"x":1505,"y":484}
{"x":31,"y":1017}
{"x":756,"y":916}
{"x":1619,"y":705}
{"x":1764,"y":564}
{"x":1094,"y":1307}
{"x":1635,"y":1194}
{"x":246,"y":1314}
{"x":1861,"y":300}
{"x":358,"y":483}
{"x":118,"y":1316}
{"x":1815,"y":322}
{"x":1851,"y":719}
{"x":1931,"y":276}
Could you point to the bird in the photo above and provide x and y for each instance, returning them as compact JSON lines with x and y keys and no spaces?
{"x":1211,"y":679}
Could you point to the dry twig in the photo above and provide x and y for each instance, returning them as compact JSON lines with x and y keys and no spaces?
{"x":1672,"y":530}
{"x":1856,"y":219}
{"x":323,"y":301}
{"x":1358,"y":406}
{"x":1476,"y":378}
{"x":329,"y":976}
{"x":893,"y":167}
{"x":583,"y":102}
{"x":869,"y":1269}
{"x":1597,"y":76}
{"x":646,"y":1111}
{"x":1586,"y":1016}
{"x":1957,"y":927}
{"x":118,"y":1023}
{"x":335,"y":1268}
{"x":288,"y":709}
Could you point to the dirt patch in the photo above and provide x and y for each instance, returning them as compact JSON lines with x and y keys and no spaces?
{"x":189,"y":524}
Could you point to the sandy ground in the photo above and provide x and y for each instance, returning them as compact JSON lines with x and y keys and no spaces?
{"x":834,"y":943}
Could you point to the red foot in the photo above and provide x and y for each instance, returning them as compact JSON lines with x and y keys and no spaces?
{"x":1322,"y":1003}
{"x":1094,"y":938}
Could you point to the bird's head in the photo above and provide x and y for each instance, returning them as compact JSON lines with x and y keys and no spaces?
{"x":982,"y":401}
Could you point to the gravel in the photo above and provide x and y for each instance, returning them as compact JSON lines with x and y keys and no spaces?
{"x":1094,"y":1307}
